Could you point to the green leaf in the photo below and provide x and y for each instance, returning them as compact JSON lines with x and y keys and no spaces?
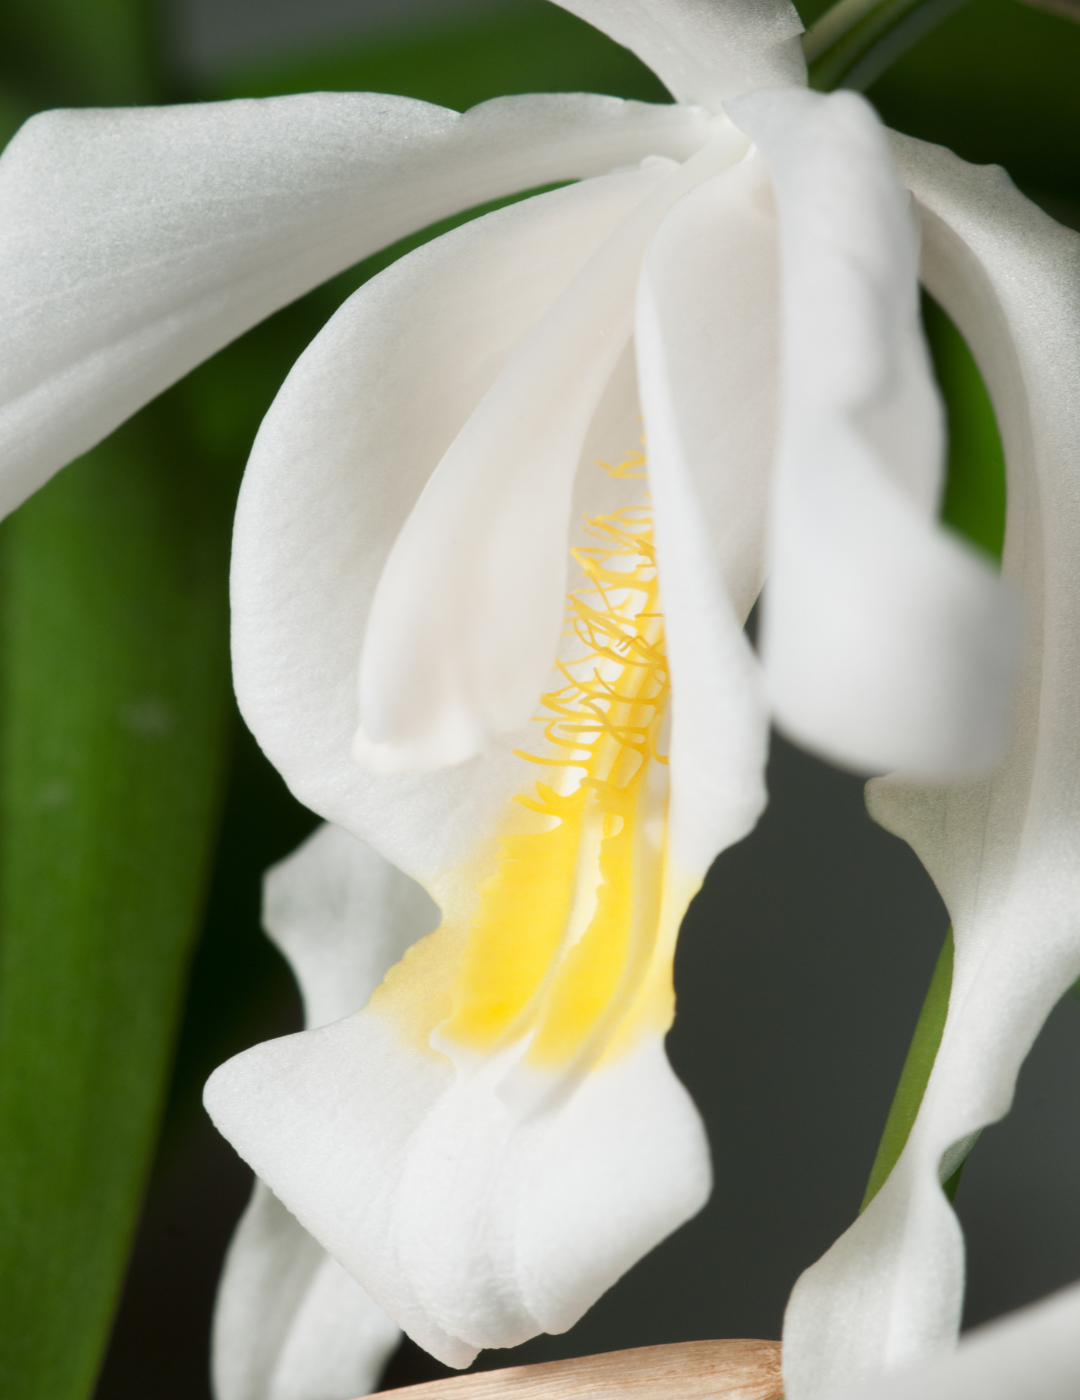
{"x":66,"y":53}
{"x":996,"y":82}
{"x":974,"y":499}
{"x":114,"y":703}
{"x":915,"y":1075}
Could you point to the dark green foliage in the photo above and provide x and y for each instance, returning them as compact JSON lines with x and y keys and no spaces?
{"x":113,"y":727}
{"x":974,"y":499}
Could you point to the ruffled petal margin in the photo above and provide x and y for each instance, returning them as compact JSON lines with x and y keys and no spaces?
{"x":471,"y":1221}
{"x":1005,"y":852}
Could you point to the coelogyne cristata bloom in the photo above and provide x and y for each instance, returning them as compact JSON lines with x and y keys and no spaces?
{"x":451,"y":472}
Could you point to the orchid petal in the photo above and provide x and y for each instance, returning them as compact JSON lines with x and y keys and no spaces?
{"x":135,"y":243}
{"x":1004,"y":852}
{"x":705,"y":52}
{"x":335,"y":471}
{"x":472,"y":1225}
{"x":1030,"y":1353}
{"x":342,"y":916}
{"x":290,"y":1323}
{"x":887,"y":641}
{"x":460,"y":635}
{"x":707,"y":354}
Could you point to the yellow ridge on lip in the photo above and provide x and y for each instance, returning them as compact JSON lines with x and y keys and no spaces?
{"x":566,"y":945}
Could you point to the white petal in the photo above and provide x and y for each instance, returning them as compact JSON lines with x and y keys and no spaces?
{"x":887,"y":642}
{"x":290,"y":1323}
{"x":471,"y":1225}
{"x":467,"y":613}
{"x":343,"y":916}
{"x":1030,"y":1354}
{"x":135,"y":243}
{"x":707,"y":355}
{"x":704,"y":51}
{"x":1005,"y":852}
{"x":712,"y":279}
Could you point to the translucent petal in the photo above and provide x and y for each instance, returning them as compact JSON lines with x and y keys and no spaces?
{"x":136,"y":242}
{"x":1005,"y":852}
{"x":887,"y":641}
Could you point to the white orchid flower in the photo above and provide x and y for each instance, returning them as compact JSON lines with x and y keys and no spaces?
{"x":290,"y":1323}
{"x":1003,"y":851}
{"x":498,"y":1135}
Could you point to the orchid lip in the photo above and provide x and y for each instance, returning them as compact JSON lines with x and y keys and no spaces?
{"x":562,"y":944}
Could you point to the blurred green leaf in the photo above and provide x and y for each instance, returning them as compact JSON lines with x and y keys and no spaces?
{"x":114,"y":704}
{"x":14,"y":110}
{"x":996,"y":82}
{"x":974,"y":498}
{"x":114,"y":700}
{"x":69,"y":53}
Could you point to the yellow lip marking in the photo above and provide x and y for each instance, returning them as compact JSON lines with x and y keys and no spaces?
{"x":569,"y":948}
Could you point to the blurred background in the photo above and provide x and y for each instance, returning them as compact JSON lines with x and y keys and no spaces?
{"x":803,"y":964}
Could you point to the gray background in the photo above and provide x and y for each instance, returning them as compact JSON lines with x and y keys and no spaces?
{"x":800,"y":973}
{"x":208,"y":34}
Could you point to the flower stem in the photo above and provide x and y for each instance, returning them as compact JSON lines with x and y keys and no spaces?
{"x":855,"y":41}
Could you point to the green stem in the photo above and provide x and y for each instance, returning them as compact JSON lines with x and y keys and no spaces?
{"x":914,"y":1078}
{"x":855,"y":41}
